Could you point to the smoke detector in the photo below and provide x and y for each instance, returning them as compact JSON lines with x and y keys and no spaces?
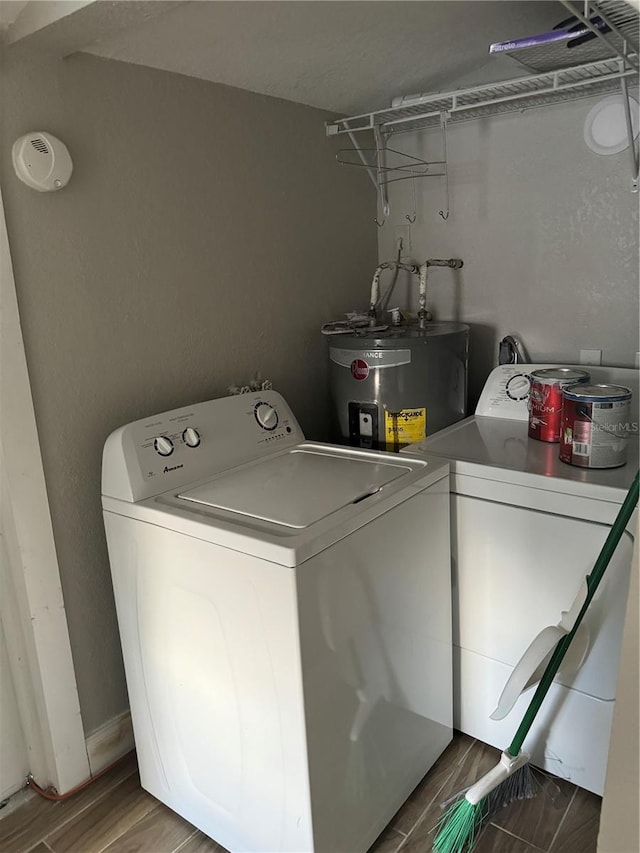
{"x":41,"y":161}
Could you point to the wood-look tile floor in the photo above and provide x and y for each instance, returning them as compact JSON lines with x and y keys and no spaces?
{"x":115,"y":815}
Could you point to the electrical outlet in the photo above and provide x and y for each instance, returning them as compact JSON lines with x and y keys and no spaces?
{"x":591,"y":356}
{"x":403,"y":240}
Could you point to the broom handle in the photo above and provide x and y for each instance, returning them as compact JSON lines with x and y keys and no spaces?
{"x":604,"y":557}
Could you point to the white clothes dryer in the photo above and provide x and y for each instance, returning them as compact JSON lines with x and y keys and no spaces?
{"x":526,"y":531}
{"x":284,"y":612}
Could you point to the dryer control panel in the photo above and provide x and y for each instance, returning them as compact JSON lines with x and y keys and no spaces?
{"x":169,"y":450}
{"x":506,"y":391}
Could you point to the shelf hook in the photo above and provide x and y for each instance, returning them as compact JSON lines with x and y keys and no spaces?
{"x":411,"y":217}
{"x":444,"y":117}
{"x":379,"y":224}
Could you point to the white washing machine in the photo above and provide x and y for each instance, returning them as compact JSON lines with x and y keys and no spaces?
{"x":284,"y":612}
{"x":526,"y":530}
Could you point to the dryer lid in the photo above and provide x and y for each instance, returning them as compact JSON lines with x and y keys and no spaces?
{"x":296,"y":489}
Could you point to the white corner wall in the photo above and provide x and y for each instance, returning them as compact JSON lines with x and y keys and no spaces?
{"x":619,"y":823}
{"x":32,"y":612}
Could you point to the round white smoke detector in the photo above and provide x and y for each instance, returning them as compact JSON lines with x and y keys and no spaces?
{"x":42,"y":161}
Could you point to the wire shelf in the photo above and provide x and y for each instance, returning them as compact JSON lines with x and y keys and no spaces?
{"x":508,"y":96}
{"x":608,"y":39}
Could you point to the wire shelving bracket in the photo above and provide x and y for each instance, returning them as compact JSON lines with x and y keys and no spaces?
{"x":386,"y":165}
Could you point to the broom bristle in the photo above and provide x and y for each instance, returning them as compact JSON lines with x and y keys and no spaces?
{"x":458,"y":829}
{"x":459,"y":826}
{"x":521,"y":785}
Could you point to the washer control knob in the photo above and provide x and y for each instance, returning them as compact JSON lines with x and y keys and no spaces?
{"x":191,"y":437}
{"x":266,"y":416}
{"x":163,"y":445}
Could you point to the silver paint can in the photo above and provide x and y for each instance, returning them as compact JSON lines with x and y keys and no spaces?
{"x":595,"y":425}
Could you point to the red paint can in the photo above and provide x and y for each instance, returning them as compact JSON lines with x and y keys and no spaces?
{"x":595,"y":425}
{"x":545,"y":400}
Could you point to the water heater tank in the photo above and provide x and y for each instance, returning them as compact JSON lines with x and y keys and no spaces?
{"x":393,"y":388}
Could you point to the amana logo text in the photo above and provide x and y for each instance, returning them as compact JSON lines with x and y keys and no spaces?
{"x":174,"y":468}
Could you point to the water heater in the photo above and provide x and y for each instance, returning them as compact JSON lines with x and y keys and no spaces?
{"x":394,"y":387}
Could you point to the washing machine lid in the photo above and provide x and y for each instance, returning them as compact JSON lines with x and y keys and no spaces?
{"x":295,"y":489}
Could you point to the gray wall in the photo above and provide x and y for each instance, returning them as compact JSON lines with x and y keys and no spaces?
{"x":206,"y":234}
{"x":548,"y":231}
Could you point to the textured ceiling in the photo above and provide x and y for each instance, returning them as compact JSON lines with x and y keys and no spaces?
{"x":347,"y":57}
{"x":9,"y":11}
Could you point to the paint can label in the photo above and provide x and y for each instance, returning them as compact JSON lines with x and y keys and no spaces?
{"x":595,"y":434}
{"x":545,"y":400}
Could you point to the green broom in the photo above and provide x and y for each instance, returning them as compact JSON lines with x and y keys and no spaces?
{"x":460,"y":825}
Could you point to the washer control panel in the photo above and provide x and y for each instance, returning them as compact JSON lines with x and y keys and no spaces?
{"x":189,"y":444}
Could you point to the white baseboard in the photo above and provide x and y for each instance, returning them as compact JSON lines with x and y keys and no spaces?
{"x":111,"y":741}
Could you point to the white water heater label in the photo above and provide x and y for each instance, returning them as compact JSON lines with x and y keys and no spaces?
{"x":371,"y":357}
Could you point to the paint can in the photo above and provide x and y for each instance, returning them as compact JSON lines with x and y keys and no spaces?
{"x":545,"y":400}
{"x":595,"y":425}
